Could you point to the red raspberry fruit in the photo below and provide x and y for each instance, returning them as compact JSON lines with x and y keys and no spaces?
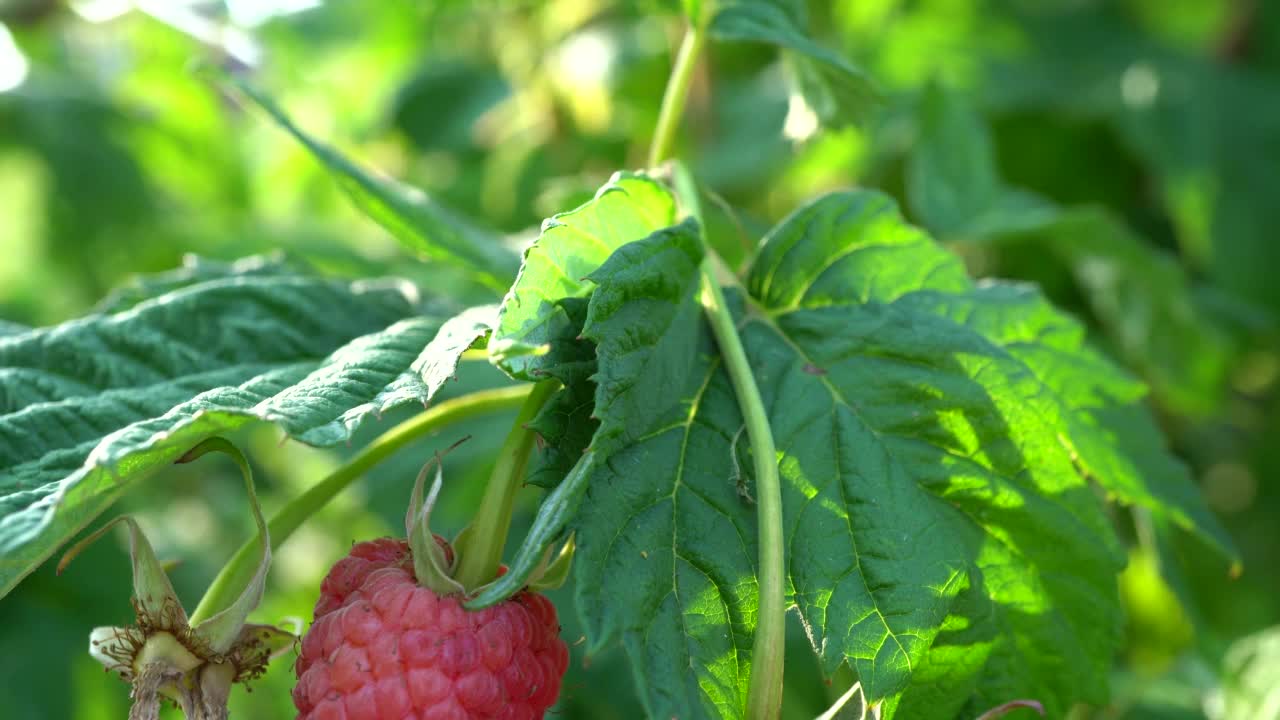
{"x":384,"y":648}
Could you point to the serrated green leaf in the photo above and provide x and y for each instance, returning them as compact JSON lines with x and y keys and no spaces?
{"x":665,"y":545}
{"x":414,"y":218}
{"x":838,"y":90}
{"x":1063,"y":393}
{"x":666,"y":541}
{"x":926,"y":487}
{"x":89,"y":407}
{"x":937,"y":440}
{"x":926,"y":459}
{"x":904,"y":440}
{"x":1111,"y":432}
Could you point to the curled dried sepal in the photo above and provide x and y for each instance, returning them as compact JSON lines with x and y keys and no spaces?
{"x":153,"y":594}
{"x":430,"y":565}
{"x":257,"y":646}
{"x":216,"y":621}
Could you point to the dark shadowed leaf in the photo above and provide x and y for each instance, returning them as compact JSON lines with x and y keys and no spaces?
{"x":1141,"y":295}
{"x":440,"y":104}
{"x":839,"y":91}
{"x":952,"y":181}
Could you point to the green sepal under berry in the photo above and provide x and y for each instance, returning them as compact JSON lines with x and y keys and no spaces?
{"x":436,"y":569}
{"x":431,"y":566}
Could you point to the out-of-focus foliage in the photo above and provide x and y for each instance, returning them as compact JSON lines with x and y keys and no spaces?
{"x":1122,"y":154}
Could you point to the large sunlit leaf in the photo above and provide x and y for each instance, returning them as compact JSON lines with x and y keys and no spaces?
{"x":413,"y":217}
{"x":936,"y":442}
{"x":90,"y":407}
{"x":923,"y":469}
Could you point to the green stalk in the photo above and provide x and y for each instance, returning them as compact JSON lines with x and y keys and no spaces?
{"x":238,"y":571}
{"x":480,"y":547}
{"x":664,"y":135}
{"x":764,"y":693}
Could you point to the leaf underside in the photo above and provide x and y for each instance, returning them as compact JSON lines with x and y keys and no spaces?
{"x":937,"y":442}
{"x":90,"y":407}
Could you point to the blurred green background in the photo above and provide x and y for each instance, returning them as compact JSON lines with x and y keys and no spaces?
{"x":1148,"y":130}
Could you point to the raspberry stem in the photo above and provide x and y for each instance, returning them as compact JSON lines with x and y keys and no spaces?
{"x":480,"y":546}
{"x":764,"y":690}
{"x":672,"y":108}
{"x":240,"y":568}
{"x":764,"y":693}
